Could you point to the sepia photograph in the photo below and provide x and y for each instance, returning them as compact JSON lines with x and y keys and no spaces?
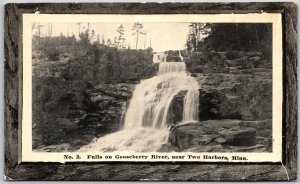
{"x":152,"y":87}
{"x":151,"y":91}
{"x":145,"y":85}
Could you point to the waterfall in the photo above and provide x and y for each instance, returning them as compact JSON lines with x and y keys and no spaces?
{"x":159,"y":57}
{"x":146,"y":124}
{"x":181,"y":58}
{"x":190,"y":106}
{"x":172,"y":67}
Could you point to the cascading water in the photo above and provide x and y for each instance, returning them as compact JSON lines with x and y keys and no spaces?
{"x":146,"y":126}
{"x":172,"y":68}
{"x":181,"y":58}
{"x":159,"y":57}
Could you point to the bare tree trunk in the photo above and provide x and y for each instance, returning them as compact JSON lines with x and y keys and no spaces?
{"x":79,"y":24}
{"x":33,"y":26}
{"x":39,"y":39}
{"x":137,"y":39}
{"x":51,"y":30}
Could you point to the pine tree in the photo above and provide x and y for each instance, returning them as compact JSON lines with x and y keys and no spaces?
{"x":136,"y":27}
{"x":98,"y":39}
{"x":197,"y":32}
{"x":108,"y":43}
{"x":92,"y":37}
{"x":121,"y":38}
{"x":103,"y":41}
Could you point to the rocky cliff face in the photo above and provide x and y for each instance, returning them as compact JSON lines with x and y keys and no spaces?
{"x":235,"y":104}
{"x":88,"y":112}
{"x":236,"y":96}
{"x":84,"y":93}
{"x":106,"y":106}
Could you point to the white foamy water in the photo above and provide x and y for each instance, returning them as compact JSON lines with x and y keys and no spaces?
{"x":138,"y":140}
{"x":172,"y":68}
{"x":159,"y":57}
{"x":146,"y":123}
{"x":190,"y":106}
{"x":181,"y":58}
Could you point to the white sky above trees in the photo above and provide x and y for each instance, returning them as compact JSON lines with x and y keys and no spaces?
{"x":163,"y":36}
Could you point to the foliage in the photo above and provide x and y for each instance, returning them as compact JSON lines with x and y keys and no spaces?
{"x":137,"y":29}
{"x":230,"y":36}
{"x":197,"y":31}
{"x":92,"y":37}
{"x":52,"y":53}
{"x":108,"y":43}
{"x":61,"y":40}
{"x":121,"y":38}
{"x":242,"y":36}
{"x":84,"y":38}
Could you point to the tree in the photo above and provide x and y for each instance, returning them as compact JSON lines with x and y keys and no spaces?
{"x":84,"y":38}
{"x":79,"y":26}
{"x":49,"y":29}
{"x":197,"y":32}
{"x":92,"y":37}
{"x":121,"y":38}
{"x":98,"y":39}
{"x":240,"y":36}
{"x":38,"y":27}
{"x":108,"y":43}
{"x":136,"y":27}
{"x":103,"y":41}
{"x":116,"y":42}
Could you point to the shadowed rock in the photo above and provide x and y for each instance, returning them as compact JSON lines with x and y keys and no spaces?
{"x":218,"y":135}
{"x":176,"y":108}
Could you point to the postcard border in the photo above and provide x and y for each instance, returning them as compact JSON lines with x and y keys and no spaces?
{"x":41,"y":171}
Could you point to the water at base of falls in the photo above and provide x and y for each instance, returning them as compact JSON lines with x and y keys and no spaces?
{"x":146,"y":123}
{"x":138,"y":140}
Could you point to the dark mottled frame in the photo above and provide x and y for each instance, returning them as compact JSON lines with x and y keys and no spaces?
{"x":15,"y":170}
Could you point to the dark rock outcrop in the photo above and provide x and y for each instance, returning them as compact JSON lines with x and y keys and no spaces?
{"x":219,"y":136}
{"x":236,"y":96}
{"x":176,"y":108}
{"x":226,"y":62}
{"x":91,"y":113}
{"x":105,"y":105}
{"x":230,"y":96}
{"x":173,"y":59}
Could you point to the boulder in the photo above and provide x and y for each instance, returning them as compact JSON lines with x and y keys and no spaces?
{"x":239,"y":136}
{"x":176,"y":108}
{"x":218,"y":135}
{"x":186,"y":136}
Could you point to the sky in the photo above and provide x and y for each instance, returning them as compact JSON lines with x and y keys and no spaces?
{"x":163,"y":36}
